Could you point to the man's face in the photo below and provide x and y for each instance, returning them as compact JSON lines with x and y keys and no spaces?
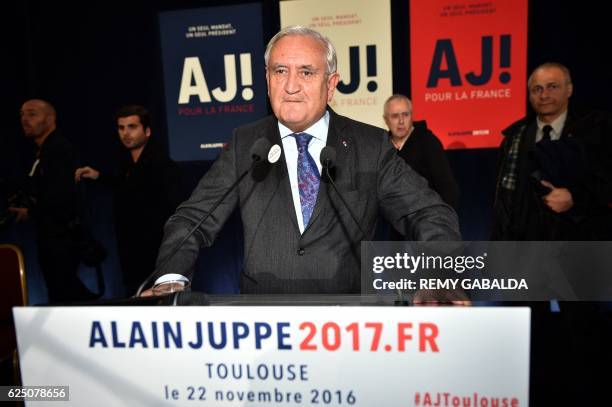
{"x":298,"y":86}
{"x":398,"y":117}
{"x":549,"y":93}
{"x":36,"y":120}
{"x":131,"y":132}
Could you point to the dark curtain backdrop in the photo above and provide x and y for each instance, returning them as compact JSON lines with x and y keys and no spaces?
{"x":90,"y":58}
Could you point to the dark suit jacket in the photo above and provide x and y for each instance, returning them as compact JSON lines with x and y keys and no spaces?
{"x":325,"y":258}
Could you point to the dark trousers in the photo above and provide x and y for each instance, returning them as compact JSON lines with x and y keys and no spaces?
{"x":571,"y":354}
{"x":59,"y":263}
{"x":137,"y":263}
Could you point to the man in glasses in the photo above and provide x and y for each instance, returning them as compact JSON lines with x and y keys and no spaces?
{"x":555,"y":183}
{"x":554,"y":180}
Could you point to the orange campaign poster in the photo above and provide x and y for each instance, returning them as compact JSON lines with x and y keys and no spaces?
{"x":468,"y":64}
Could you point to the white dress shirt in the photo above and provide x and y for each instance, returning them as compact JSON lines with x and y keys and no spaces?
{"x":557,"y":127}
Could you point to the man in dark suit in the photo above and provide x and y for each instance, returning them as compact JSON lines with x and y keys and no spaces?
{"x":299,"y":237}
{"x":555,"y":179}
{"x":555,"y":183}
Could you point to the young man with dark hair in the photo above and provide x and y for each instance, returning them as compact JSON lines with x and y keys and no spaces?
{"x":147,"y":191}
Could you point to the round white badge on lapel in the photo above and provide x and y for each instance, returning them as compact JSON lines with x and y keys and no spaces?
{"x":274,"y":153}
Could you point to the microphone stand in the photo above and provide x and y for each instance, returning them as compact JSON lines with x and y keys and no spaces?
{"x":256,"y":159}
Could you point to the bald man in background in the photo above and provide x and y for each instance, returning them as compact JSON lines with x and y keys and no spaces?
{"x":53,"y":206}
{"x":420,"y":148}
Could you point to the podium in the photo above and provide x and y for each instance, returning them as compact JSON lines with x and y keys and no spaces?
{"x":275,"y":351}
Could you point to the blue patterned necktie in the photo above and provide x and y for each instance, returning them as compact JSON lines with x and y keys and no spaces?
{"x":308,"y":176}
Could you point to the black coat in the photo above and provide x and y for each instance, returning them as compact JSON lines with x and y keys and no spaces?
{"x":147,"y":192}
{"x":55,"y":211}
{"x":425,"y":154}
{"x":52,"y":187}
{"x":583,"y":165}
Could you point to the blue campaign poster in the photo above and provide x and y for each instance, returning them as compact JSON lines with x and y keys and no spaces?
{"x":214,"y":76}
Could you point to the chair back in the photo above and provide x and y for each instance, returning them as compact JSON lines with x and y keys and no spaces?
{"x":12,"y":278}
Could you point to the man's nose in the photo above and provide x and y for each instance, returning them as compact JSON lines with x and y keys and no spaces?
{"x":292,"y":84}
{"x":545,"y":93}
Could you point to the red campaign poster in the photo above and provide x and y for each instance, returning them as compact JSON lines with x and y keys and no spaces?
{"x":468,"y":64}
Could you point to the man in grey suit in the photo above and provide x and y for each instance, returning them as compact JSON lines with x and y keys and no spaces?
{"x":298,"y":235}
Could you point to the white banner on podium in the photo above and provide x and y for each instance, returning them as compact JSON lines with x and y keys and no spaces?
{"x":277,"y":356}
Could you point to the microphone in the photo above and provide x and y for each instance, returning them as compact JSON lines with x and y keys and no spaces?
{"x":259,"y":153}
{"x":328,"y":158}
{"x":328,"y":161}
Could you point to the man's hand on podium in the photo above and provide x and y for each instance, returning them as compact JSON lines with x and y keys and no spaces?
{"x":164,"y":288}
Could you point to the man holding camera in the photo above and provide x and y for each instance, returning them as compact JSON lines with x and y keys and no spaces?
{"x":53,"y":203}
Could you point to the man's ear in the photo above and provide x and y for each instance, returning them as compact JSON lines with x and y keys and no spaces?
{"x":50,"y":120}
{"x":386,"y":121}
{"x":332,"y":82}
{"x":148,"y":132}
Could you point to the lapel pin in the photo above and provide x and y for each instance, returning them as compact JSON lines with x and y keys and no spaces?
{"x":344,"y":143}
{"x":274,"y":153}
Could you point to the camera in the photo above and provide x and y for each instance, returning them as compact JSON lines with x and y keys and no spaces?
{"x":19,"y":199}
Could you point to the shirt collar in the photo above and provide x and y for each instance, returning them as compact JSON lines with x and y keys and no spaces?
{"x":557,"y":124}
{"x":318,"y":130}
